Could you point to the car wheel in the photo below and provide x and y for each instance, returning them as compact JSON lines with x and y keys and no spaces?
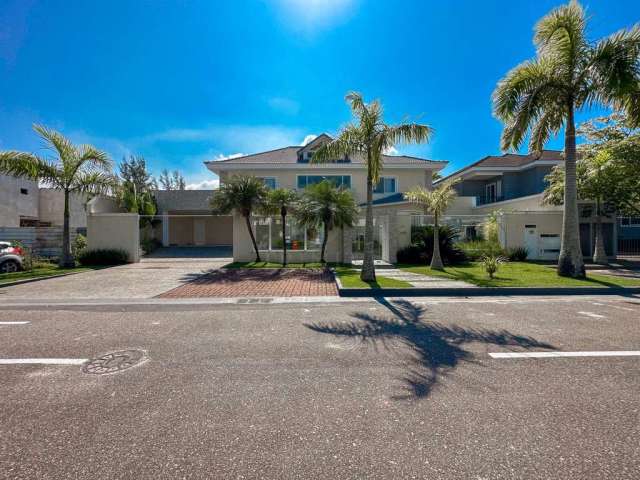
{"x":9,"y":266}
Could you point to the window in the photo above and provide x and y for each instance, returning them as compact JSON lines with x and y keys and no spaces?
{"x":268,"y":232}
{"x":24,"y":191}
{"x":338,"y":180}
{"x":385,"y":185}
{"x":630,"y":221}
{"x":269,"y":182}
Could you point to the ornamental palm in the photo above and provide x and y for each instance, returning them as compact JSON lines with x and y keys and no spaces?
{"x":435,"y":202}
{"x":280,"y":201}
{"x":323,"y":204}
{"x":244,"y":194}
{"x":370,"y":137}
{"x":568,"y":73}
{"x":81,"y":169}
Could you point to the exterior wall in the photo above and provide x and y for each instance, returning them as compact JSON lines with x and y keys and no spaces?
{"x":288,"y":178}
{"x":531,"y":203}
{"x":14,"y":204}
{"x":43,"y":241}
{"x":51,"y":208}
{"x":115,"y":230}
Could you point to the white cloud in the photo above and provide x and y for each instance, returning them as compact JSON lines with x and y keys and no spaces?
{"x":284,"y":105}
{"x":309,"y":138}
{"x":204,"y":185}
{"x":221,"y":157}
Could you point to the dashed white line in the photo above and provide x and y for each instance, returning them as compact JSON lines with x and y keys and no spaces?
{"x":564,"y":354}
{"x":14,"y":323}
{"x":42,"y":361}
{"x":591,"y":314}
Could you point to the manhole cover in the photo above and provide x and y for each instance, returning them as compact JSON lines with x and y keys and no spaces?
{"x":114,"y":362}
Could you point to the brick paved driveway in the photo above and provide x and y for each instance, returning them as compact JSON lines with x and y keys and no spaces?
{"x":258,"y":283}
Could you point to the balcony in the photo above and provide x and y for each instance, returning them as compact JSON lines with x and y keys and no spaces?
{"x":486,"y":200}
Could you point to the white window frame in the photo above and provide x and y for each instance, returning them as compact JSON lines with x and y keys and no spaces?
{"x":631,"y":224}
{"x":382,"y":177}
{"x":271,"y":249}
{"x":328,"y":175}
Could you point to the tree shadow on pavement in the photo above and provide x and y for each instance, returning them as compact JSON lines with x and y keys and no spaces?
{"x":436,"y":349}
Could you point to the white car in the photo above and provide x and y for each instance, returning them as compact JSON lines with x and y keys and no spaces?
{"x":10,"y":258}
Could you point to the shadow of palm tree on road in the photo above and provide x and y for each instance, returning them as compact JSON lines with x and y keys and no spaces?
{"x":436,"y":348}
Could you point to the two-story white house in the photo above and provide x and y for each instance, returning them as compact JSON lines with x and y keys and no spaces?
{"x":292,"y":167}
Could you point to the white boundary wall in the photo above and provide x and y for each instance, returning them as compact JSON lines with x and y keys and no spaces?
{"x":115,"y":230}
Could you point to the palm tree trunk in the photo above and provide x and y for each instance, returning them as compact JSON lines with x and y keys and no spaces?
{"x":436,"y":258}
{"x":570,"y":262}
{"x":324,"y":241}
{"x":253,"y":238}
{"x":66,"y":259}
{"x":599,"y":255}
{"x":283,"y":214}
{"x":368,"y":273}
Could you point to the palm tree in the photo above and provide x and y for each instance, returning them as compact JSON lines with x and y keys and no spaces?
{"x":81,"y":169}
{"x":323,"y":204}
{"x":436,"y":202}
{"x":244,"y":194}
{"x":541,"y":96}
{"x":369,"y":138}
{"x":280,"y":201}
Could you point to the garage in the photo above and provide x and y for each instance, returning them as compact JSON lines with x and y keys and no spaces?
{"x":197,"y":229}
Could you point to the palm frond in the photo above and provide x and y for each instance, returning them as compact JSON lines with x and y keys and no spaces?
{"x":27,"y":165}
{"x":408,"y":133}
{"x":94,"y":183}
{"x":561,"y":34}
{"x":57,"y":142}
{"x":90,"y":156}
{"x":347,"y":143}
{"x":356,"y":102}
{"x":549,"y":123}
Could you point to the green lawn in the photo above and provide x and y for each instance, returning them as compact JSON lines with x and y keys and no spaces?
{"x":39,"y":272}
{"x":521,"y":274}
{"x":350,"y":278}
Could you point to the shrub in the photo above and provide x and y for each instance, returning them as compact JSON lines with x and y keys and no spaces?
{"x":421,"y":248}
{"x":517,"y":254}
{"x":476,"y":249}
{"x":79,"y":245}
{"x":491,"y":263}
{"x":28,"y":258}
{"x":103,"y":257}
{"x":150,"y":244}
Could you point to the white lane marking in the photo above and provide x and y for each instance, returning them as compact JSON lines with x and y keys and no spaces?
{"x":564,"y":354}
{"x":42,"y":361}
{"x":591,"y":314}
{"x":596,"y":303}
{"x":14,"y":323}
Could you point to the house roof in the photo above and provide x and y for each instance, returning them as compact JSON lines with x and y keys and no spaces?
{"x":393,"y":198}
{"x":509,"y":161}
{"x":289,"y":156}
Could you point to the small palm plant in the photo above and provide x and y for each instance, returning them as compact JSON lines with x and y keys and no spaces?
{"x":75,"y":169}
{"x":369,"y":138}
{"x":244,"y":194}
{"x":280,"y":201}
{"x":491,"y":263}
{"x":324,"y":205}
{"x":542,"y":95}
{"x":435,"y":202}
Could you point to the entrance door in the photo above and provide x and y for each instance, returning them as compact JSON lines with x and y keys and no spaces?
{"x":198,"y":231}
{"x":531,"y":241}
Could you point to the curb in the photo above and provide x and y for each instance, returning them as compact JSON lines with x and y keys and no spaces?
{"x":482,"y":291}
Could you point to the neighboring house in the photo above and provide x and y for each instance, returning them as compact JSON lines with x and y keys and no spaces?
{"x":629,"y":236}
{"x":291,"y":167}
{"x":19,"y":201}
{"x":513,"y":185}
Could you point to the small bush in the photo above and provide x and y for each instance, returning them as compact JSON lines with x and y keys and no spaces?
{"x":491,"y":264}
{"x":476,"y":249}
{"x":79,"y":245}
{"x":421,"y":248}
{"x":517,"y":254}
{"x":103,"y":257}
{"x":150,"y":244}
{"x":412,"y":254}
{"x":28,"y":258}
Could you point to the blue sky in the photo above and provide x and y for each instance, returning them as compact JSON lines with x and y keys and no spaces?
{"x":186,"y":81}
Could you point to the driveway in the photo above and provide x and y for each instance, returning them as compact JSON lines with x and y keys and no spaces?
{"x":154,"y":275}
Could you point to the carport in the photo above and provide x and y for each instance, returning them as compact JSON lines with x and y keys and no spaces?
{"x":196,"y":229}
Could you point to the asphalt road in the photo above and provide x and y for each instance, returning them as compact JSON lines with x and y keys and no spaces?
{"x":368,"y":389}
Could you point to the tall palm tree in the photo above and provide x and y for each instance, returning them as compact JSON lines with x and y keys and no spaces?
{"x":541,"y":96}
{"x":81,"y":169}
{"x":435,"y":202}
{"x":369,"y":138}
{"x":280,"y":201}
{"x":323,"y":204}
{"x":244,"y":194}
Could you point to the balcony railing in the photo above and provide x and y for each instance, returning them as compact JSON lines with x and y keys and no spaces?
{"x":485,"y":200}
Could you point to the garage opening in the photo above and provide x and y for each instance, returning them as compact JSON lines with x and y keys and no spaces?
{"x":188,"y":229}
